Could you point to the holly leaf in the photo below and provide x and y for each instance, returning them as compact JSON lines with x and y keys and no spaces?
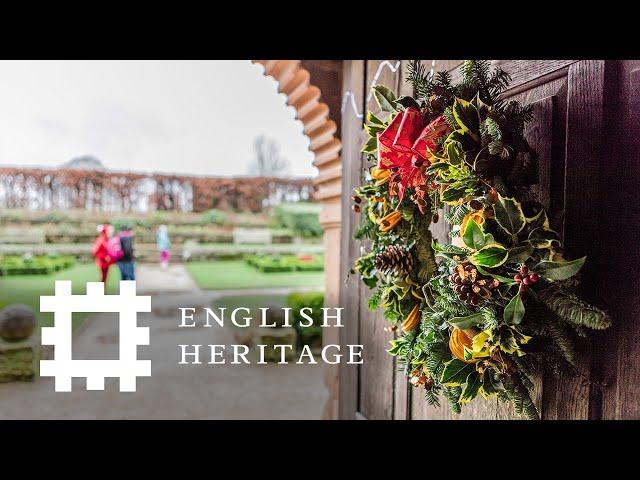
{"x":466,"y":322}
{"x":372,"y":119}
{"x":465,"y":139}
{"x":373,"y":130}
{"x":473,"y":236}
{"x":466,"y":115}
{"x":455,"y":153}
{"x":502,"y":278}
{"x":385,"y":98}
{"x":407,"y":102}
{"x":554,"y":271}
{"x":453,"y":194}
{"x":482,"y":107}
{"x":395,"y":347}
{"x":540,"y":220}
{"x":436,"y":167}
{"x":371,"y":146}
{"x":509,"y":215}
{"x":455,"y":372}
{"x":471,"y":388}
{"x":370,"y":282}
{"x":490,"y":385}
{"x":491,"y":255}
{"x":520,"y":254}
{"x":514,"y":311}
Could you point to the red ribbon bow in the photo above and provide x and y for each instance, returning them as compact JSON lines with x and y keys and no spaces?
{"x":406,"y":146}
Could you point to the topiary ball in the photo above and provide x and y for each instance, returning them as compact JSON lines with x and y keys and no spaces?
{"x":17,"y":322}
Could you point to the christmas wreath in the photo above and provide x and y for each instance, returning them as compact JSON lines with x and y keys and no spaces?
{"x":499,"y":303}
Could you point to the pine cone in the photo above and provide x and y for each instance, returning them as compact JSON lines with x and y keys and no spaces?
{"x":394,"y":260}
{"x":470,"y":286}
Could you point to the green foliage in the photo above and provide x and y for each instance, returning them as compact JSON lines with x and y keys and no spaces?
{"x":491,"y":255}
{"x":572,"y":309}
{"x":124,"y":223}
{"x":385,"y":98}
{"x":453,"y":396}
{"x":417,"y":75}
{"x":286,"y":263}
{"x":300,"y":217}
{"x":519,"y":395}
{"x":514,"y":311}
{"x":35,"y":264}
{"x":559,"y":270}
{"x":315,"y":301}
{"x":214,"y":217}
{"x":562,"y":340}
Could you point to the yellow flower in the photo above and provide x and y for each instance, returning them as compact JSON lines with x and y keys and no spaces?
{"x":412,"y":319}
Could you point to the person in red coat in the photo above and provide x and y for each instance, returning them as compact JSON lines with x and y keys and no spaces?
{"x":101,"y":252}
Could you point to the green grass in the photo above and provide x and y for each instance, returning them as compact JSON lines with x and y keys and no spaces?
{"x":272,"y":247}
{"x":27,"y":289}
{"x":232,"y":274}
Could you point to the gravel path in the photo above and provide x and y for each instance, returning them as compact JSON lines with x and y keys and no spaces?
{"x":174,"y":391}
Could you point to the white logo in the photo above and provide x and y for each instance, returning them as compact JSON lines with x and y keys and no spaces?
{"x":127,"y":367}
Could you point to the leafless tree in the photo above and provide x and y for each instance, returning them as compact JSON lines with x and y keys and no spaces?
{"x":268,"y":161}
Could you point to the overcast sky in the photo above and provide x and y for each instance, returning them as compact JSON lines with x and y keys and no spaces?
{"x":168,"y":116}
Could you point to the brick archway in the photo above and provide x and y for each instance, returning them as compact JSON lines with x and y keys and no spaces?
{"x":294,"y":80}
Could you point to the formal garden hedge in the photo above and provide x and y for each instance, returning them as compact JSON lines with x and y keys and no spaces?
{"x":286,"y":263}
{"x":301,"y":218}
{"x":311,"y":335}
{"x":35,"y":264}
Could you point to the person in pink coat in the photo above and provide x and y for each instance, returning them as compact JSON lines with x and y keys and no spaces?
{"x":101,"y":253}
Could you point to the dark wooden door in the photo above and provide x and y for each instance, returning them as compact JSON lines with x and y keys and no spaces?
{"x":586,"y":134}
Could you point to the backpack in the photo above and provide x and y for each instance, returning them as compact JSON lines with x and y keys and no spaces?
{"x":126,"y":243}
{"x":114,"y":249}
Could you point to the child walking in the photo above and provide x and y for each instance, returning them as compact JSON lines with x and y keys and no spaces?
{"x":164,"y":245}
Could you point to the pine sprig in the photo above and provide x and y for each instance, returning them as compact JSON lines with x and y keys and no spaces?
{"x":453,"y":397}
{"x":562,"y":341}
{"x":456,"y":214}
{"x":572,"y":309}
{"x":519,"y":396}
{"x":418,"y":77}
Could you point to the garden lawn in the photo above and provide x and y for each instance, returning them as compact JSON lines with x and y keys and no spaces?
{"x":27,"y":289}
{"x":236,"y":274}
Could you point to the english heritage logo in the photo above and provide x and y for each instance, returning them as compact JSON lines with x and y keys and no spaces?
{"x":127,"y":367}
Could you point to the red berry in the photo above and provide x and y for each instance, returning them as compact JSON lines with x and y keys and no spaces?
{"x":523,"y":288}
{"x":527,"y":281}
{"x":534,"y":277}
{"x":524,"y":270}
{"x":517,"y":278}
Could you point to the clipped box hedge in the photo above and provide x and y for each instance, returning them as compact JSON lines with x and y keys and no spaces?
{"x":286,"y":263}
{"x":35,"y":265}
{"x":311,"y":335}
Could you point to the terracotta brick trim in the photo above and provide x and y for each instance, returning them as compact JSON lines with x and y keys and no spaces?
{"x":295,"y":82}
